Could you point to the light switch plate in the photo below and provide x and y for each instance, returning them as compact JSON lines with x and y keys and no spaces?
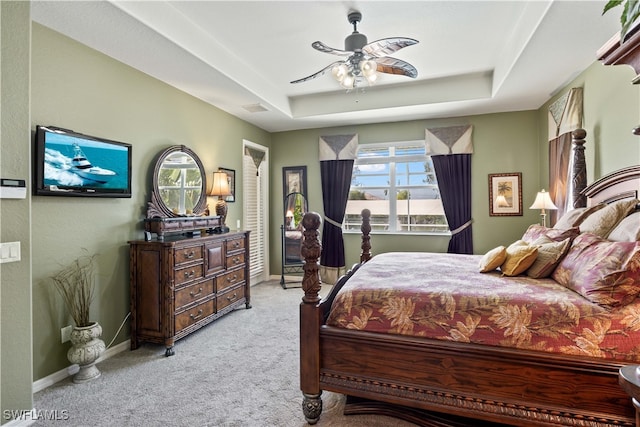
{"x":9,"y":252}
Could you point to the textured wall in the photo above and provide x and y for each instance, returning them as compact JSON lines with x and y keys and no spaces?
{"x":611,"y":110}
{"x":15,"y":214}
{"x":503,"y":142}
{"x":78,"y":88}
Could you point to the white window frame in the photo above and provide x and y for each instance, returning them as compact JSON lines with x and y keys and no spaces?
{"x":392,"y":160}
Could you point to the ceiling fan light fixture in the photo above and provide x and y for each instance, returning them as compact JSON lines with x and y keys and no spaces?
{"x":364,"y":61}
{"x":372,"y":78}
{"x":348,"y":81}
{"x":369,"y":70}
{"x":339,"y":72}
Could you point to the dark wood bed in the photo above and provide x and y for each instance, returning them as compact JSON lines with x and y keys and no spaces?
{"x":435,"y":383}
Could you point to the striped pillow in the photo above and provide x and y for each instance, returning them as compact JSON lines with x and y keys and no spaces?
{"x":549,"y":255}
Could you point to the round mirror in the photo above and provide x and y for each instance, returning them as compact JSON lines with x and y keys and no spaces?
{"x":179,"y":184}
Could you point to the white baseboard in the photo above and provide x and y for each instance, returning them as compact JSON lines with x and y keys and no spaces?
{"x":50,"y":380}
{"x":27,"y":418}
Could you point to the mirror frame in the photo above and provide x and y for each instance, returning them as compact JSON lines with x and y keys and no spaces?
{"x":305,"y":208}
{"x":157,"y":208}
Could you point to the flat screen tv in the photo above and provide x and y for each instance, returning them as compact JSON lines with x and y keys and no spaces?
{"x":69,"y":163}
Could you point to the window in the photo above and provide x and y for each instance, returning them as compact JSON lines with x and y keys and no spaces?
{"x":397,"y":183}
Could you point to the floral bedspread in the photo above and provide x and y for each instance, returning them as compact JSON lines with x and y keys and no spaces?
{"x":443,"y":296}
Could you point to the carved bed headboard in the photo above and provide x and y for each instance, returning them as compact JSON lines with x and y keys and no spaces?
{"x":621,"y":184}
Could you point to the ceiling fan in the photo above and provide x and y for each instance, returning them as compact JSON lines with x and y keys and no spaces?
{"x":364,"y":61}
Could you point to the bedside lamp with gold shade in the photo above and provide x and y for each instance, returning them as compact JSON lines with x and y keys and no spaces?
{"x":221,"y":189}
{"x":543,"y":202}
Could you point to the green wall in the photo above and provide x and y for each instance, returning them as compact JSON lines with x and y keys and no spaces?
{"x":15,"y":214}
{"x":76,"y":87}
{"x":611,"y":111}
{"x":79,"y":88}
{"x":505,"y":142}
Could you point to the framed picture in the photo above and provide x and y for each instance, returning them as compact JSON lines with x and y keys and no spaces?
{"x":294,"y":179}
{"x":231,"y":174}
{"x":505,"y":194}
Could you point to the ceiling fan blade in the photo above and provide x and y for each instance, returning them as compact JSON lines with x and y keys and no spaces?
{"x":319,"y":73}
{"x":391,"y":65}
{"x":326,"y":49}
{"x":384,"y":47}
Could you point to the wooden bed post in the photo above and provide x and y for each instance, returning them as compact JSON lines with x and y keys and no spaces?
{"x":365,"y":255}
{"x":579,"y":171}
{"x":310,"y":319}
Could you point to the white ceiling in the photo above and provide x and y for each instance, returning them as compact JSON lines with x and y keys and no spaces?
{"x":473,"y":57}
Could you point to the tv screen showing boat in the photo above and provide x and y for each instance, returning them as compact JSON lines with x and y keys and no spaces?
{"x":73,"y":164}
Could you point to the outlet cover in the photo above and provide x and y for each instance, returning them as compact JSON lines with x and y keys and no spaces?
{"x":65,"y":333}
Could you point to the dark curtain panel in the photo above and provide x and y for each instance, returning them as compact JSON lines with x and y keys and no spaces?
{"x":454,"y":180}
{"x":559,"y":159}
{"x":336,"y":180}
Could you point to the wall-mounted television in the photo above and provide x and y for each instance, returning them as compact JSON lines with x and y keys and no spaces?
{"x":69,"y":163}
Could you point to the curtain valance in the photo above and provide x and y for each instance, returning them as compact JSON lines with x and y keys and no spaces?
{"x":256,"y":155}
{"x":449,"y":140}
{"x":565,"y":114}
{"x":338,"y":147}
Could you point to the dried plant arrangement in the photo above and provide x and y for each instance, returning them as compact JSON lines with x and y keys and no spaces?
{"x":75,"y":283}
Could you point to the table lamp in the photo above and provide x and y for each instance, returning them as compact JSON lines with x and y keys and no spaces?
{"x":542,"y":202}
{"x":290,"y":221}
{"x":221,"y":189}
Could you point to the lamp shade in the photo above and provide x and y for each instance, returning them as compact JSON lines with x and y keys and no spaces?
{"x":220,"y":185}
{"x":543,"y":201}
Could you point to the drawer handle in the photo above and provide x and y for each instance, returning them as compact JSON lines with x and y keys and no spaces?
{"x":232,"y":297}
{"x":236,"y":260}
{"x":236,"y":244}
{"x":189,"y":255}
{"x":189,"y":274}
{"x":231,"y":279}
{"x":195,"y":294}
{"x":196,"y":316}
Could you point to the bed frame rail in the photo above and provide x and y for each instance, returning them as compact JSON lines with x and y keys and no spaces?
{"x":451,"y":379}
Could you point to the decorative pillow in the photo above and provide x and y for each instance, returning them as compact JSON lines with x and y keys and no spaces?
{"x":493,"y":259}
{"x":549,"y":255}
{"x":576,"y":216}
{"x":535,"y":231}
{"x":628,"y":230}
{"x":604,"y":272}
{"x":604,"y":220}
{"x":520,"y":256}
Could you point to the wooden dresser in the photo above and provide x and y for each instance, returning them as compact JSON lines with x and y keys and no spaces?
{"x":180,"y":284}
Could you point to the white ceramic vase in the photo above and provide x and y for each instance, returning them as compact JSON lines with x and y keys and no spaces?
{"x":87,"y":348}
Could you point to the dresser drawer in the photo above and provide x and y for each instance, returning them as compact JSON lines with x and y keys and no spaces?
{"x":235,"y":260}
{"x":176,"y":282}
{"x":193,"y":293}
{"x":229,"y":297}
{"x":227,"y":280}
{"x":187,"y":254}
{"x":193,"y":315}
{"x":235,"y":245}
{"x":187,"y":274}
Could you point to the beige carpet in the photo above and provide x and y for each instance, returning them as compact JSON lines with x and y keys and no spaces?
{"x":241,"y":370}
